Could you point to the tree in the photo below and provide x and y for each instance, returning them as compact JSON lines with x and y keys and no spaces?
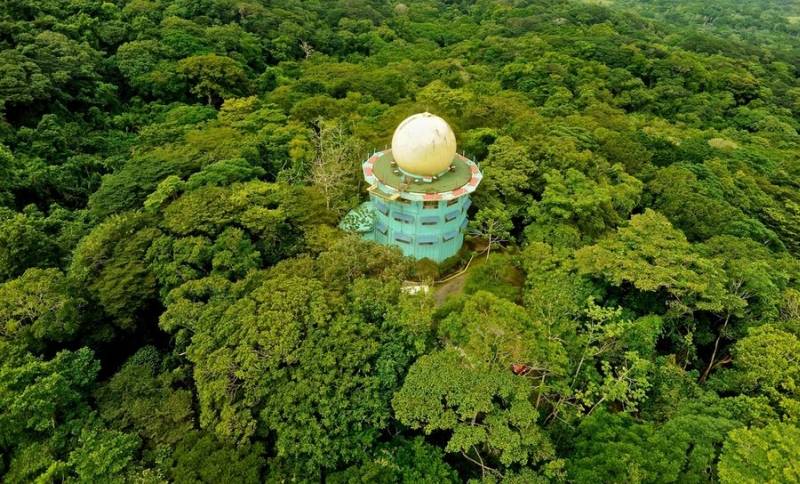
{"x":500,"y":333}
{"x":501,"y":276}
{"x":764,"y":363}
{"x":755,"y":279}
{"x":224,"y":173}
{"x":234,"y":254}
{"x":612,"y":448}
{"x":611,"y":363}
{"x":37,"y":394}
{"x":593,"y":207}
{"x":149,"y":68}
{"x":201,"y":457}
{"x":214,"y":77}
{"x":487,"y":411}
{"x":298,"y":362}
{"x":173,"y":176}
{"x":336,"y":165}
{"x":769,"y":454}
{"x":145,"y":398}
{"x":24,"y":243}
{"x":653,"y":256}
{"x":8,"y":167}
{"x":104,"y":455}
{"x":401,"y":460}
{"x":699,"y":208}
{"x":509,"y":173}
{"x":494,"y":225}
{"x":109,"y":265}
{"x":552,"y":292}
{"x":37,"y":308}
{"x":53,"y":66}
{"x":23,"y":80}
{"x":47,"y":428}
{"x":175,"y":260}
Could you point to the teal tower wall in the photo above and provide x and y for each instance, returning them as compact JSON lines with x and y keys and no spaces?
{"x":421,"y":229}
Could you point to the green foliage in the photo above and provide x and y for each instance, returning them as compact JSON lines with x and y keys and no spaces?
{"x":24,"y":243}
{"x":400,"y":461}
{"x":592,"y":207}
{"x":200,"y":457}
{"x":614,"y":364}
{"x":768,"y":454}
{"x":700,"y":207}
{"x":7,"y":175}
{"x":103,"y":455}
{"x":224,"y":173}
{"x":764,"y":363}
{"x":52,"y":68}
{"x":172,"y":174}
{"x":108,"y":265}
{"x":213,"y":76}
{"x":142,"y":398}
{"x":498,"y":332}
{"x":685,"y":448}
{"x":37,"y":308}
{"x":486,"y":410}
{"x":612,"y":448}
{"x":299,"y":362}
{"x":493,"y":225}
{"x":38,"y":394}
{"x":508,"y":170}
{"x":498,"y":275}
{"x":48,"y":429}
{"x":333,"y":170}
{"x":234,"y":254}
{"x":653,"y":256}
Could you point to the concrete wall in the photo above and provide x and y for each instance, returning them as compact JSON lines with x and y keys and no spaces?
{"x":433,"y":230}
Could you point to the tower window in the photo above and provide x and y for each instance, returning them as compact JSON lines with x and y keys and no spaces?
{"x":381,"y":207}
{"x":403,"y":217}
{"x":426,"y":239}
{"x":452,"y":202}
{"x":403,"y":238}
{"x":429,"y":220}
{"x":450,"y":235}
{"x":451,"y":215}
{"x":382,"y":228}
{"x":430,"y":205}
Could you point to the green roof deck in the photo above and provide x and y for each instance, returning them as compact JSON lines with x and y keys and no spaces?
{"x":385,"y":172}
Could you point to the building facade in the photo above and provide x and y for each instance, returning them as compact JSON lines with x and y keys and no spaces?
{"x":432,"y":229}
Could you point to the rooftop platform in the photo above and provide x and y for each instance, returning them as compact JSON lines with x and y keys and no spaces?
{"x":386,"y":178}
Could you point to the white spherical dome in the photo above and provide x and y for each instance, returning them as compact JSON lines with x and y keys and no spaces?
{"x":424,"y":144}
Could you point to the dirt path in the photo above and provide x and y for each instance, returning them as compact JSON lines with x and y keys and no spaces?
{"x":456,"y":284}
{"x":453,"y":286}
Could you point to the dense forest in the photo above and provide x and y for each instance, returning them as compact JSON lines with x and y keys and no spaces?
{"x":177,"y":303}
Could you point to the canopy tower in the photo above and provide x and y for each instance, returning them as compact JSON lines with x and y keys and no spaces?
{"x":418,"y":191}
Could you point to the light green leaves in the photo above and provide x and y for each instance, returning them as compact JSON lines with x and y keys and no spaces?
{"x":766,"y":455}
{"x":488,"y":410}
{"x":653,"y":256}
{"x":37,"y":308}
{"x":214,"y":77}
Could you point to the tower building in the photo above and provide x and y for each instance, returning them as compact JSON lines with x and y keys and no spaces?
{"x":418,"y":191}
